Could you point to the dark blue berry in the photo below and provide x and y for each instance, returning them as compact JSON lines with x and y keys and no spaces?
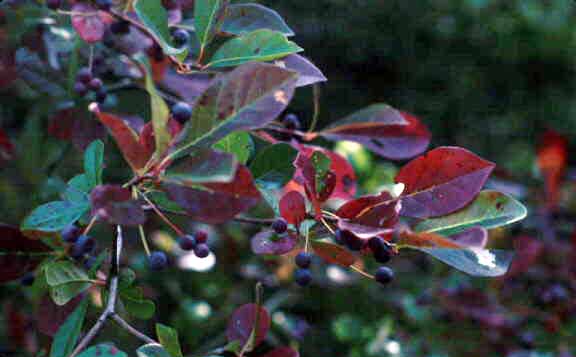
{"x":27,"y":279}
{"x":187,"y":242}
{"x":384,"y":275}
{"x":201,"y":236}
{"x":280,"y":226}
{"x":351,"y":240}
{"x":121,"y":27}
{"x":84,"y":245}
{"x":292,"y":122}
{"x":95,"y":84}
{"x":181,"y":112}
{"x":84,"y":75}
{"x":202,"y":250}
{"x":104,"y":4}
{"x":303,"y":260}
{"x":71,"y":233}
{"x":181,"y":37}
{"x":303,"y":277}
{"x":380,"y":250}
{"x":101,"y":95}
{"x":54,"y":4}
{"x":157,"y":260}
{"x":80,"y":89}
{"x":338,"y":237}
{"x":89,"y":262}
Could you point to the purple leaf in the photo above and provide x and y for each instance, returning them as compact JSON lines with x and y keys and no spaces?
{"x":89,"y":23}
{"x":243,"y":321}
{"x":18,"y":254}
{"x":309,"y":73}
{"x":50,"y":316}
{"x":271,"y":243}
{"x":114,"y":204}
{"x":369,"y":216}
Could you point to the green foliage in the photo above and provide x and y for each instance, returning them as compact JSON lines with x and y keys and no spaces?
{"x":67,"y":335}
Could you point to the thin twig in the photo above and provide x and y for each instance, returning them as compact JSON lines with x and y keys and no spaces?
{"x":126,"y":326}
{"x":316,"y":102}
{"x":251,"y":220}
{"x":160,"y":214}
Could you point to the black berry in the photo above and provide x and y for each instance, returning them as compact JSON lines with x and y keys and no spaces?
{"x":181,"y":112}
{"x":84,"y":245}
{"x":71,"y":233}
{"x":351,"y":240}
{"x":157,"y":260}
{"x":303,"y":260}
{"x":121,"y":27}
{"x":180,"y":37}
{"x":202,"y":250}
{"x":303,"y":277}
{"x":80,"y":89}
{"x":292,"y":122}
{"x":27,"y":279}
{"x":89,"y":262}
{"x":384,"y":275}
{"x":201,"y":236}
{"x":380,"y":250}
{"x":187,"y":242}
{"x":84,"y":75}
{"x":338,"y":237}
{"x":280,"y":226}
{"x":101,"y":95}
{"x":54,"y":4}
{"x":95,"y":84}
{"x":155,"y":52}
{"x":104,"y":4}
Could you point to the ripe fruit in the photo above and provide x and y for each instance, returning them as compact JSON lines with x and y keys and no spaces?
{"x":384,"y":275}
{"x":157,"y":260}
{"x":303,"y":260}
{"x":280,"y":226}
{"x":70,"y":234}
{"x":202,"y":250}
{"x":121,"y":27}
{"x":84,"y":245}
{"x":27,"y":279}
{"x":181,"y":112}
{"x":180,"y":37}
{"x":104,"y":4}
{"x":101,"y":95}
{"x":54,"y":4}
{"x":303,"y":277}
{"x":201,"y":236}
{"x":380,"y":250}
{"x":95,"y":84}
{"x":80,"y":89}
{"x":338,"y":237}
{"x":351,"y":240}
{"x":89,"y":262}
{"x":292,"y":122}
{"x":187,"y":242}
{"x":84,"y":75}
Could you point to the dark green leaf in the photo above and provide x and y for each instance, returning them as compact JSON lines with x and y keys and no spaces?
{"x":168,"y":337}
{"x":474,"y":261}
{"x":103,"y":350}
{"x":273,"y":166}
{"x":240,"y":144}
{"x":201,"y":166}
{"x":93,"y":160}
{"x":208,"y":16}
{"x":66,"y":281}
{"x":152,"y":350}
{"x":243,"y":18}
{"x":67,"y":335}
{"x":161,"y":199}
{"x":53,"y":216}
{"x":135,"y":303}
{"x":78,"y":190}
{"x":321,"y":164}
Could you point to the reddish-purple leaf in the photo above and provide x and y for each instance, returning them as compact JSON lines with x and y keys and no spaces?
{"x":89,"y":22}
{"x":282,"y":352}
{"x":114,"y":204}
{"x":271,"y":243}
{"x":7,"y":151}
{"x":308,"y":72}
{"x":369,"y":216}
{"x":442,"y":181}
{"x":18,"y":254}
{"x":426,"y":240}
{"x":216,"y":202}
{"x":384,"y":130}
{"x":49,"y":316}
{"x":293,"y":207}
{"x":187,"y":87}
{"x":243,"y":321}
{"x":333,"y":254}
{"x":85,"y":131}
{"x":473,"y":237}
{"x":552,"y":160}
{"x":527,"y":252}
{"x":8,"y":71}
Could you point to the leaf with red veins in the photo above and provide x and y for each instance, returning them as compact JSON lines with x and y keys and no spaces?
{"x":114,"y":204}
{"x":89,"y":23}
{"x":243,"y":321}
{"x":293,"y":207}
{"x":18,"y":253}
{"x":473,"y":237}
{"x":426,"y":240}
{"x":442,"y":181}
{"x":333,"y":253}
{"x":216,"y":202}
{"x":271,"y":243}
{"x":369,"y":216}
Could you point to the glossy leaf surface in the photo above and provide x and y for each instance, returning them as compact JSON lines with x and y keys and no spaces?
{"x":244,"y":18}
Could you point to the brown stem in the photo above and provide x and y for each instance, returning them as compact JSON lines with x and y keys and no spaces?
{"x":161,"y":215}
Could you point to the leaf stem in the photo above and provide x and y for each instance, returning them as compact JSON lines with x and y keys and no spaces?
{"x":160,"y":214}
{"x":362,"y":272}
{"x":316,"y":102}
{"x":90,"y":224}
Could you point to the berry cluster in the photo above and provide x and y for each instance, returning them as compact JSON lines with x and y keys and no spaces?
{"x":82,"y":245}
{"x":85,"y":82}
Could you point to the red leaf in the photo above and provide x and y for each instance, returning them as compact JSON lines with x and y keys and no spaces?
{"x":243,"y":321}
{"x":527,"y":251}
{"x":271,"y":243}
{"x":14,"y":260}
{"x":552,"y":157}
{"x":333,"y":254}
{"x":217,"y":202}
{"x":114,"y":204}
{"x":282,"y":352}
{"x":6,"y":147}
{"x":369,"y":216}
{"x":49,"y":316}
{"x":61,"y":124}
{"x":426,"y":240}
{"x":8,"y":72}
{"x":442,"y":181}
{"x":90,"y":23}
{"x":293,"y":207}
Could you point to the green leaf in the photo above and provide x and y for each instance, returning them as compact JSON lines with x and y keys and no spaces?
{"x":321,"y":164}
{"x":208,"y":15}
{"x":239,"y":143}
{"x":259,"y":45}
{"x":246,"y":98}
{"x":273,"y":166}
{"x":78,"y":190}
{"x":159,"y":110}
{"x":66,"y":281}
{"x":93,"y":160}
{"x":474,"y":261}
{"x":243,"y":18}
{"x":53,"y":216}
{"x":490,"y":209}
{"x":68,"y":334}
{"x":203,"y":165}
{"x":135,"y":303}
{"x":154,"y":16}
{"x":152,"y":350}
{"x":161,"y":199}
{"x":168,"y":337}
{"x":103,"y":350}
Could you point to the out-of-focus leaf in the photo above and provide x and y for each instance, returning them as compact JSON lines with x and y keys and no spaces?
{"x":203,"y":165}
{"x":308,"y":72}
{"x":270,"y":243}
{"x":240,"y":144}
{"x":50,"y":317}
{"x":93,"y":161}
{"x":383,"y":130}
{"x":53,"y":216}
{"x":103,"y":350}
{"x":333,"y":254}
{"x":88,"y":23}
{"x":552,"y":160}
{"x":67,"y":335}
{"x":243,"y":321}
{"x":247,"y":98}
{"x":136,"y":304}
{"x":114,"y":204}
{"x":161,"y":199}
{"x":293,"y":207}
{"x":273,"y":166}
{"x":490,"y":209}
{"x":7,"y":151}
{"x":442,"y":181}
{"x":474,"y":261}
{"x":152,"y":350}
{"x":282,"y":352}
{"x":77,"y":189}
{"x":208,"y":17}
{"x":154,"y":16}
{"x":216,"y":202}
{"x":18,"y":254}
{"x":168,"y":337}
{"x":243,"y":18}
{"x":259,"y":45}
{"x":528,"y":250}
